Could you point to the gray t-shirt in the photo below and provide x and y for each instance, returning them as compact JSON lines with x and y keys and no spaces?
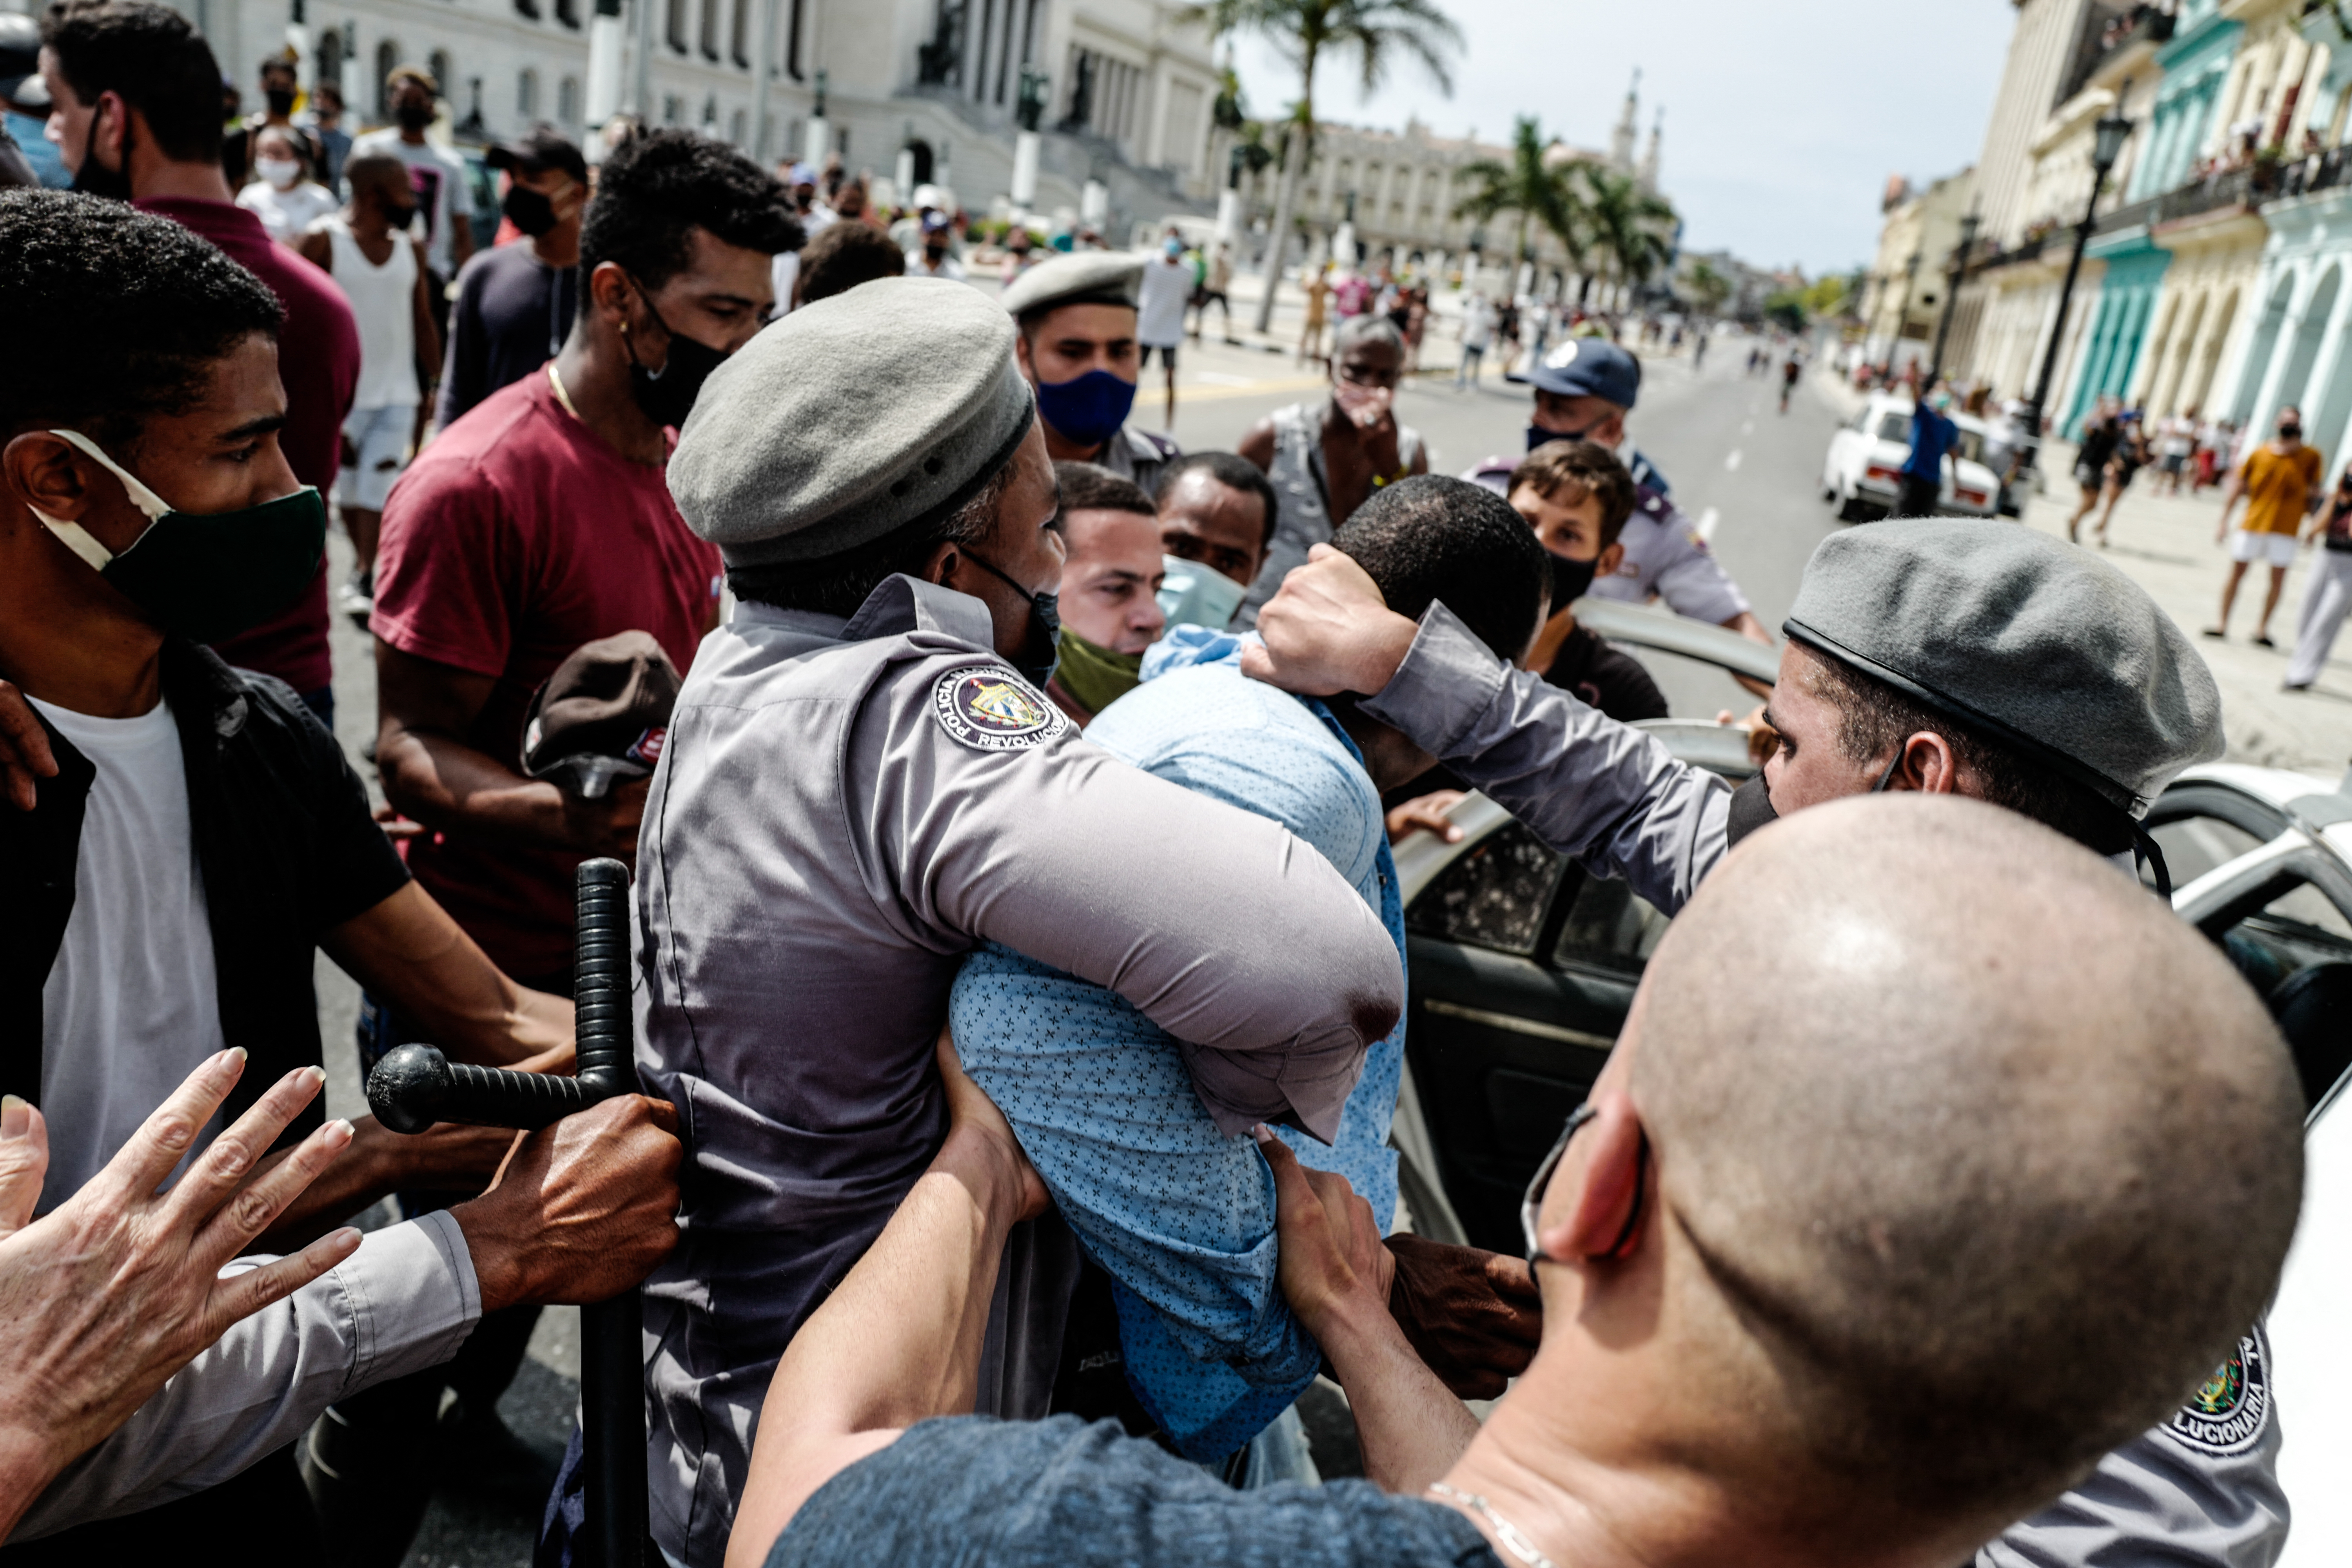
{"x":1060,"y":1493}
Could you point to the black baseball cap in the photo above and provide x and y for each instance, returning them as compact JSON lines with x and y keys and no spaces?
{"x":540,"y":148}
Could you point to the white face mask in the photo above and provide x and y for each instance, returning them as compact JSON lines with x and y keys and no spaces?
{"x":280,"y":172}
{"x":1194,"y":594}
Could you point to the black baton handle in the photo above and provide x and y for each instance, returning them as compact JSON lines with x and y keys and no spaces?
{"x":415,"y":1086}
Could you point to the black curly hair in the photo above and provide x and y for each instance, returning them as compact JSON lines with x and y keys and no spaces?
{"x":121,"y":312}
{"x":657,"y":186}
{"x":1430,"y":539}
{"x":151,"y":54}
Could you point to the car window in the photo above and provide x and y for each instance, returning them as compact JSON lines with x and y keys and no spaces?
{"x":1971,"y":446}
{"x":1610,"y":927}
{"x":1895,"y":428}
{"x":1493,"y":896}
{"x":2297,"y":928}
{"x":2193,"y":846}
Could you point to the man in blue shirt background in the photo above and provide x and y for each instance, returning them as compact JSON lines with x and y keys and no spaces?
{"x":1932,"y":435}
{"x":1179,"y":1209}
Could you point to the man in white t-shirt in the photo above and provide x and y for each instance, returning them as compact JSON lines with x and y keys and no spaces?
{"x":1159,"y":314}
{"x":438,"y":174}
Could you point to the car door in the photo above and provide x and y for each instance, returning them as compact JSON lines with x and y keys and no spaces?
{"x":1523,"y":966}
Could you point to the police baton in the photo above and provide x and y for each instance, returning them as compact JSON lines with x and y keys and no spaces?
{"x":415,"y":1086}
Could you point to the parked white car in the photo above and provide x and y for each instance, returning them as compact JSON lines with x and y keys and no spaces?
{"x":1864,"y":470}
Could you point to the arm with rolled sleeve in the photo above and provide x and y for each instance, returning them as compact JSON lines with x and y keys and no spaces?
{"x":405,"y":1300}
{"x":1603,"y":792}
{"x":1221,"y":927}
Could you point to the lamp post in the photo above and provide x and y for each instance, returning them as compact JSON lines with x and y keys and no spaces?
{"x":1969,"y":226}
{"x":2107,"y":146}
{"x":1895,"y":334}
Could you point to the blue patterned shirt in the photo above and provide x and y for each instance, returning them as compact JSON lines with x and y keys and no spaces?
{"x":1181,"y":1215}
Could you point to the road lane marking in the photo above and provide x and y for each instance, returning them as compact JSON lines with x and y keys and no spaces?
{"x":1732,"y":464}
{"x":1707,"y":521}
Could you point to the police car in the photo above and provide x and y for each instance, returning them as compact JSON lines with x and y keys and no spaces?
{"x":1863,"y":471}
{"x":1523,"y":966}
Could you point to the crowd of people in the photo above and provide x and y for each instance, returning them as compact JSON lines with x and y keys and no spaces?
{"x":1016,"y":937}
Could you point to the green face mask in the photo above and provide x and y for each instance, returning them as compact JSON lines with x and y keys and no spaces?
{"x":1094,"y":676}
{"x":206,"y":576}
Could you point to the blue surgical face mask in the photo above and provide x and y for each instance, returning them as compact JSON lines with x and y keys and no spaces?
{"x":1193,"y":595}
{"x":1087,"y":409}
{"x":1172,"y":249}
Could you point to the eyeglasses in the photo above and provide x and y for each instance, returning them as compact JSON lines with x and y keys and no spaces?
{"x":1363,"y":376}
{"x":1533,"y":1199}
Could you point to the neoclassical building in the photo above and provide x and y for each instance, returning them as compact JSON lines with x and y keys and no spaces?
{"x":1128,"y":89}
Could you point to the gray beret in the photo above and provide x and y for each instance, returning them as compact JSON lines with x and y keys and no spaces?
{"x":1094,"y":277}
{"x":876,"y":411}
{"x":2030,"y":640}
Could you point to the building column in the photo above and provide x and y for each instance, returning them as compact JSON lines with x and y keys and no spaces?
{"x":2315,"y":387}
{"x":2271,"y":393}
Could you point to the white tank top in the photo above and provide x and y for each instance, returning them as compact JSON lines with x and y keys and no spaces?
{"x":384,"y":301}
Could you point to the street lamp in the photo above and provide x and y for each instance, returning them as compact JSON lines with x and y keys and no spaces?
{"x":1969,"y":226}
{"x":1895,"y":333}
{"x":2107,"y":146}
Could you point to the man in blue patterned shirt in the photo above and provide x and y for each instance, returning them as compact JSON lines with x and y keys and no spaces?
{"x":1177,"y":1206}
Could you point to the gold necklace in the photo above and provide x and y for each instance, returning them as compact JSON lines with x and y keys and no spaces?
{"x":562,"y":397}
{"x":1513,"y":1538}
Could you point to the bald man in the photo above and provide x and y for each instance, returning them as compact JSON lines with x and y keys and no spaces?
{"x":1848,"y":1281}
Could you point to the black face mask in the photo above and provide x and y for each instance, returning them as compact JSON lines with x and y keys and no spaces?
{"x":667,"y":395}
{"x":1570,"y":579}
{"x":399,"y":217}
{"x":530,"y":210}
{"x":94,"y":180}
{"x":1537,"y":436}
{"x":413,"y":116}
{"x":1752,"y":804}
{"x":281,"y":101}
{"x":1036,"y":659}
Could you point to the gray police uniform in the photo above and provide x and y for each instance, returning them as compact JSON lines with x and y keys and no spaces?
{"x":842,"y":809}
{"x":1137,"y":456}
{"x":2028,"y":635}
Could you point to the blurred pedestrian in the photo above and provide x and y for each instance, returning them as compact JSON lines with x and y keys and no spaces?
{"x":1319,"y":297}
{"x":2131,"y":455}
{"x":841,"y":257}
{"x":1216,"y":279}
{"x":280,"y":89}
{"x":137,"y":100}
{"x":1326,"y":460}
{"x":2212,"y":443}
{"x":24,"y":103}
{"x":368,"y":248}
{"x":2175,"y":441}
{"x":2102,"y":432}
{"x":2329,"y":595}
{"x":1932,"y":435}
{"x":516,"y":302}
{"x":1166,"y":289}
{"x":802,"y":180}
{"x":1477,"y":335}
{"x":286,"y":195}
{"x":324,"y":121}
{"x":932,"y":257}
{"x":437,"y":174}
{"x":2279,"y":482}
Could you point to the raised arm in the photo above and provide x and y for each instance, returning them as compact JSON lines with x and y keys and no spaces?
{"x":898,"y":1341}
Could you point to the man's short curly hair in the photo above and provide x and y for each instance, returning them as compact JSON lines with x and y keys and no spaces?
{"x":123,"y":313}
{"x":153,"y":57}
{"x":657,"y":187}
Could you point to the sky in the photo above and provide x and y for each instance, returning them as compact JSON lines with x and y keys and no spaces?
{"x":1783,"y":117}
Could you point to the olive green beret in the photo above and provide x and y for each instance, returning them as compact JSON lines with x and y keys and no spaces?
{"x":1090,"y":278}
{"x":877,"y":411}
{"x":2030,"y":640}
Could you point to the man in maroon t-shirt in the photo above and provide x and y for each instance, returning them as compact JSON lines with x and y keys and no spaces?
{"x":132,"y":130}
{"x":541,"y":520}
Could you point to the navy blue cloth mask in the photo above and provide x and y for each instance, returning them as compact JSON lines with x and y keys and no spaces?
{"x":1087,"y":409}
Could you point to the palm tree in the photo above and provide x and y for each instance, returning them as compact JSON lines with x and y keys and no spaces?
{"x":1538,"y":191}
{"x":1375,"y":31}
{"x":1630,"y":227}
{"x":1709,"y":288}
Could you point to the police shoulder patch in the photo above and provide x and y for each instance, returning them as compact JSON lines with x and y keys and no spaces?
{"x":2231,"y":1409}
{"x":990,"y":709}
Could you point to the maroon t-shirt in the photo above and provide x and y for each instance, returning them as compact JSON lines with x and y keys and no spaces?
{"x":514,"y":538}
{"x":319,"y":362}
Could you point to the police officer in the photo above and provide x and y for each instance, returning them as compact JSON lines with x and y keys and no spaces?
{"x":1584,"y":388}
{"x":1077,"y":315}
{"x":862,"y":782}
{"x":1949,"y":655}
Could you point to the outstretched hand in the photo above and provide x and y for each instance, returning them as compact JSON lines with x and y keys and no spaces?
{"x":1327,"y":631}
{"x":105,"y":1298}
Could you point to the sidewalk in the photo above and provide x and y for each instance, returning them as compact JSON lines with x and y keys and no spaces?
{"x":2166,"y":545}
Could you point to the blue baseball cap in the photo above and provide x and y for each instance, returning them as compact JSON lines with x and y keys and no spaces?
{"x":804,"y":175}
{"x":1589,"y":367}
